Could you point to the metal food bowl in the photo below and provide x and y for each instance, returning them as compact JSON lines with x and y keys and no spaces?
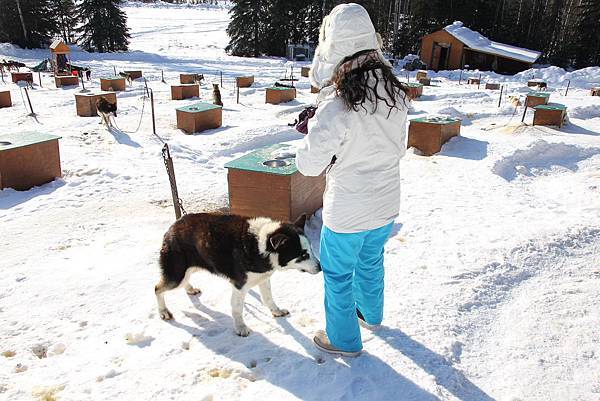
{"x":193,"y":109}
{"x":5,"y":143}
{"x":276,"y":163}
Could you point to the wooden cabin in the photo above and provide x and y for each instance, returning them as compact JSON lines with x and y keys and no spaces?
{"x":456,"y":47}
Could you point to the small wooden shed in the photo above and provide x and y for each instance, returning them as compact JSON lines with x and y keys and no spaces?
{"x":61,"y":64}
{"x":457,"y":46}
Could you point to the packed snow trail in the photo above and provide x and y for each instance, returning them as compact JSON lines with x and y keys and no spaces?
{"x":491,"y":273}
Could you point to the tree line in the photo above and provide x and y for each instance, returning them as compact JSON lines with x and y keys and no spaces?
{"x":97,"y":25}
{"x":566,"y":31}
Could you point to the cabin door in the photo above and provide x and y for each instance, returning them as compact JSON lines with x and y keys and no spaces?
{"x":439,"y":56}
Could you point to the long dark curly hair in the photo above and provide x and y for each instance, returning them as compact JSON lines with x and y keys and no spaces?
{"x":354,"y":88}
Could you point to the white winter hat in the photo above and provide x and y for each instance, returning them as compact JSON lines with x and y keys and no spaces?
{"x":345,"y":31}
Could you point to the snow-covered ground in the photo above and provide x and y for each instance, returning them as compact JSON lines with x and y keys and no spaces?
{"x":492,"y":273}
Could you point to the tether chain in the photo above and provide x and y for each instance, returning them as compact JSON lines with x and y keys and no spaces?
{"x":114,"y":120}
{"x":166,"y":156}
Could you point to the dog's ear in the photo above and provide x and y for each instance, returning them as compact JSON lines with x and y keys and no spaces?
{"x":277,"y":240}
{"x":301,"y":221}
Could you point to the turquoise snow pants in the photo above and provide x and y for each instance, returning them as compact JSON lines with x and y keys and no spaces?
{"x":353,"y":274}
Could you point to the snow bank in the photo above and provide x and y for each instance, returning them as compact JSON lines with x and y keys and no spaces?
{"x":540,"y":158}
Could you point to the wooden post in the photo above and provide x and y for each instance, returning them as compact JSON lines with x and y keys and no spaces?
{"x":29,"y":101}
{"x":40,"y":78}
{"x":568,"y":85}
{"x":500,"y":99}
{"x":524,"y":112}
{"x":479,"y":81}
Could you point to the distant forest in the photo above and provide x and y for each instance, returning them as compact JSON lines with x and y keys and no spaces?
{"x":566,"y":31}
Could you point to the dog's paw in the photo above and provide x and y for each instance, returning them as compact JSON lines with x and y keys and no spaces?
{"x":242,"y":331}
{"x":165,"y":314}
{"x":193,"y":291}
{"x":280,"y":312}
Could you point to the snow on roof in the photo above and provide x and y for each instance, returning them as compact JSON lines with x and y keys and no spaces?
{"x":477,"y":41}
{"x":59,"y":46}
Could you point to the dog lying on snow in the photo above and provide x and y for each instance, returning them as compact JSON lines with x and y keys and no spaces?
{"x":245,"y":251}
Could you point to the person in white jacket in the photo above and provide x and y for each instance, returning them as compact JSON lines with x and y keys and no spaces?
{"x":357,"y":138}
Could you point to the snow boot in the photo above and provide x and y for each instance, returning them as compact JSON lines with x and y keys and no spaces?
{"x":322,"y":343}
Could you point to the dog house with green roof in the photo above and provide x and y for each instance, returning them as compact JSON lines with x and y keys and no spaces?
{"x":28,"y":159}
{"x":199,"y":117}
{"x":266,"y":182}
{"x":428,"y":134}
{"x":550,"y":114}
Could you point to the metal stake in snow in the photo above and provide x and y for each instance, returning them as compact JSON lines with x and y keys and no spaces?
{"x":460,"y":77}
{"x":2,"y":73}
{"x":524,"y":111}
{"x":115,"y":70}
{"x":501,"y":90}
{"x":408,"y":76}
{"x":568,"y":85}
{"x":221,"y":73}
{"x":83,"y":90}
{"x":238,"y":92}
{"x":177,"y":205}
{"x":479,"y":81}
{"x":162,"y":76}
{"x":40,"y":78}
{"x":32,"y":114}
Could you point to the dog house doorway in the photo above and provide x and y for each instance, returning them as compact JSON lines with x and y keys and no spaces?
{"x":440,"y":56}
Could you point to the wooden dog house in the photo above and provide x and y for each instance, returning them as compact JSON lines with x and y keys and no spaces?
{"x":421,"y":74}
{"x":29,"y":159}
{"x":425,"y":81}
{"x":134,"y":74}
{"x":244,"y":82}
{"x":304,"y":71}
{"x":5,"y":100}
{"x":474,"y":81}
{"x":428,"y":134}
{"x":492,"y":86}
{"x":188,"y":78}
{"x":66,"y":80}
{"x":185,"y":91}
{"x":550,"y":114}
{"x":199,"y":117}
{"x":61,"y":65}
{"x":595,"y":91}
{"x":457,"y":46}
{"x":537,"y":98}
{"x":260,"y":184}
{"x":276,"y":95}
{"x":112,"y":84}
{"x":415,"y":90}
{"x":86,"y":102}
{"x":22,"y":76}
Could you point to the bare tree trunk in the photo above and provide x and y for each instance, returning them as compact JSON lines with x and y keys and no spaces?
{"x":22,"y":20}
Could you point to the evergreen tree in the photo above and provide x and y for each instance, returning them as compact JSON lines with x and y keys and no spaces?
{"x":585,"y":41}
{"x":65,"y":13}
{"x":246,"y":28}
{"x":27,"y":23}
{"x":104,"y":27}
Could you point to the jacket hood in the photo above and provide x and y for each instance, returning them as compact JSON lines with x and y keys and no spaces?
{"x":345,"y":31}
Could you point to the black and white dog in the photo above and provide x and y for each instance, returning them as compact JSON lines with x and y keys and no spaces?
{"x":245,"y":251}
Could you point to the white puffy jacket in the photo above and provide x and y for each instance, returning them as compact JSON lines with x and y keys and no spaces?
{"x":363,"y":186}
